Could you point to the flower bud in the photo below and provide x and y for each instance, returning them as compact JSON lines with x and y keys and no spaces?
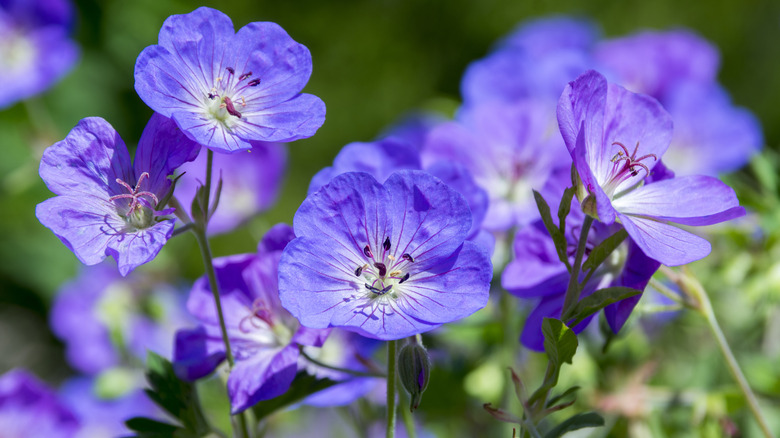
{"x":414,"y":370}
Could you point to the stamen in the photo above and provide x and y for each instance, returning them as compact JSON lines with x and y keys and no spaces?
{"x":230,"y":108}
{"x":404,"y":278}
{"x":395,"y":273}
{"x":386,"y":244}
{"x":358,"y":271}
{"x":408,"y":257}
{"x":367,"y":252}
{"x":382,"y":268}
{"x":254,"y":82}
{"x":232,"y":71}
{"x":244,"y":76}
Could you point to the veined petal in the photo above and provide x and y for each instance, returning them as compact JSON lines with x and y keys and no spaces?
{"x":604,"y":209}
{"x":87,"y":161}
{"x":636,"y":274}
{"x":583,"y":102}
{"x":689,"y":200}
{"x":196,"y":354}
{"x":140,"y":246}
{"x":210,"y":132}
{"x":299,"y":117}
{"x":663,"y":242}
{"x":265,"y":375}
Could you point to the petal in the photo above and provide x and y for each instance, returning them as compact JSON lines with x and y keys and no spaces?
{"x":583,"y":101}
{"x":690,"y":200}
{"x":458,"y":177}
{"x":140,"y":246}
{"x":267,"y":51}
{"x":664,"y":243}
{"x":87,"y":161}
{"x":161,"y":150}
{"x":429,"y":219}
{"x":535,"y":270}
{"x":549,"y":307}
{"x":297,"y":118}
{"x":235,"y":296}
{"x":209,"y":132}
{"x":196,"y":354}
{"x":447,"y":289}
{"x":264,"y":375}
{"x":636,"y":274}
{"x":604,"y":209}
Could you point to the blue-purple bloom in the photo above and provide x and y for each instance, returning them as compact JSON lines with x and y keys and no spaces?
{"x":616,"y":138}
{"x":264,"y":337}
{"x":29,"y":409}
{"x":35,"y":49}
{"x":103,"y":317}
{"x":386,"y":261}
{"x":226,"y":89}
{"x":108,"y":205}
{"x":250,"y":183}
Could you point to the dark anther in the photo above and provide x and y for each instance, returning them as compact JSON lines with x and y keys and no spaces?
{"x":212,"y":96}
{"x":377,"y":290}
{"x":387,"y":289}
{"x":230,"y":108}
{"x":382,"y":268}
{"x":244,"y":76}
{"x":367,"y":252}
{"x":404,"y":278}
{"x":230,"y":70}
{"x":408,"y":256}
{"x":358,"y":271}
{"x":386,"y":245}
{"x":254,"y":82}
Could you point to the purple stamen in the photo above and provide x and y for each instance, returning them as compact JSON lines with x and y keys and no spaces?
{"x":254,"y":82}
{"x":230,"y":108}
{"x":244,"y":76}
{"x":134,"y":194}
{"x":231,"y":71}
{"x":408,"y":257}
{"x":358,"y":271}
{"x":404,"y":278}
{"x":367,"y":252}
{"x":382,"y":268}
{"x":386,"y":244}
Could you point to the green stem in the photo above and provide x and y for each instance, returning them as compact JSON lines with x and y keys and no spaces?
{"x":691,"y":285}
{"x":406,"y":416}
{"x":342,"y":370}
{"x":573,"y":291}
{"x":391,"y":377}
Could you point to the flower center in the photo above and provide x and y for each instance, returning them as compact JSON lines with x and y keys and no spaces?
{"x":625,"y":167}
{"x":261,"y":324}
{"x":224,"y":102}
{"x":139,"y":213}
{"x":384,"y":273}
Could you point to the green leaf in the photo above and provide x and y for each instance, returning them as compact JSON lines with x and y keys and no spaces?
{"x":599,"y":300}
{"x":557,"y":236}
{"x":562,"y":395}
{"x":603,"y":250}
{"x":303,"y":386}
{"x":147,"y":427}
{"x":579,"y":421}
{"x":560,"y":342}
{"x":564,"y":207}
{"x":175,"y":396}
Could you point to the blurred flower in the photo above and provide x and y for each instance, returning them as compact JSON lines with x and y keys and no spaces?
{"x":35,"y":50}
{"x":102,"y":318}
{"x":29,"y":409}
{"x":510,"y":149}
{"x":225,"y":89}
{"x":100,"y":418}
{"x":264,"y":338}
{"x":106,"y":205}
{"x":250,"y":183}
{"x":616,"y":138}
{"x":383,"y":260}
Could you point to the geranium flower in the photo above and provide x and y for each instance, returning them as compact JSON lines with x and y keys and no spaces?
{"x":225,"y":89}
{"x":616,"y":138}
{"x":35,"y":48}
{"x":29,"y":409}
{"x":264,"y":338}
{"x":108,"y":206}
{"x":386,"y":261}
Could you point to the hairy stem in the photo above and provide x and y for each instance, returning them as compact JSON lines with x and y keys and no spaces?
{"x":693,"y":287}
{"x":391,"y":377}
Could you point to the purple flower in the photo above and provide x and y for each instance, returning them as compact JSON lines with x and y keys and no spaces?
{"x":383,"y":260}
{"x":654,"y":63}
{"x":616,"y":138}
{"x":263,"y":336}
{"x":509,"y":149}
{"x":106,"y":205}
{"x":102,"y":317}
{"x":250,"y":182}
{"x":100,"y":417}
{"x":29,"y":409}
{"x":34,"y":46}
{"x":226,"y":89}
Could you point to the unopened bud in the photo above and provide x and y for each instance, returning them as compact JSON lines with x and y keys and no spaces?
{"x":414,"y":370}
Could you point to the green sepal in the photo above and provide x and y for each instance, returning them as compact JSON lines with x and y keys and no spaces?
{"x":557,"y":236}
{"x":603,"y":250}
{"x":560,"y":344}
{"x":150,"y":428}
{"x":564,"y":208}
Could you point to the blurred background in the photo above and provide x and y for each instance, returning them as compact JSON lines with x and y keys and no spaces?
{"x":375,"y":61}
